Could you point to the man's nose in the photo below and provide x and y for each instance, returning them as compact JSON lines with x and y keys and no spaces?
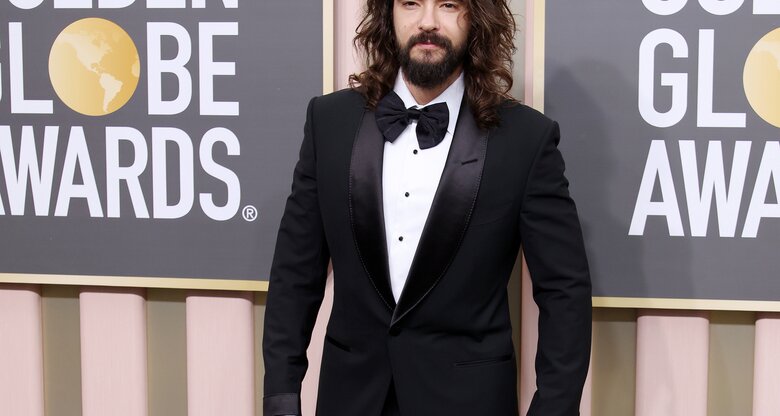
{"x":429,"y":20}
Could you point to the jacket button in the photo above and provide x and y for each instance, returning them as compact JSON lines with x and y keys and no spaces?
{"x":394,"y":331}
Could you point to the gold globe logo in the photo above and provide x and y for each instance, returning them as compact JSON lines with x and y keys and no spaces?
{"x":761,"y":78}
{"x":94,"y":66}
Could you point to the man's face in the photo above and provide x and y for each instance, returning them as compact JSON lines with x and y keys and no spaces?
{"x":431,"y":37}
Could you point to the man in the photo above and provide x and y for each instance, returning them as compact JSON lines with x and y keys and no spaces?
{"x":420,"y":183}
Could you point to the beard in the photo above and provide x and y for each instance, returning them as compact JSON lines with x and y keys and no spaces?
{"x":428,"y":73}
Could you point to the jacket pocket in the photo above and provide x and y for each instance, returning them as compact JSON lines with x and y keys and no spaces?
{"x":337,"y":344}
{"x":484,"y":361}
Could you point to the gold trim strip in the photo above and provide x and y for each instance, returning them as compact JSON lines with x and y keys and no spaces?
{"x":128,"y":281}
{"x":327,"y":46}
{"x":262,"y":286}
{"x":538,"y":55}
{"x":689,"y":304}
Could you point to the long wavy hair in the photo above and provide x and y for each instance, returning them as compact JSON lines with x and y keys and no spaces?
{"x":487,"y":67}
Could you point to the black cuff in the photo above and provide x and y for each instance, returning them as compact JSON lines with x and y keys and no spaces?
{"x":282,"y":404}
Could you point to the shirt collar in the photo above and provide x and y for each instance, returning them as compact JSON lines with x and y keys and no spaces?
{"x":453,"y":96}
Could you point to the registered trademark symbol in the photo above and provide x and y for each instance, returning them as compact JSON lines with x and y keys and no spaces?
{"x":250,"y":213}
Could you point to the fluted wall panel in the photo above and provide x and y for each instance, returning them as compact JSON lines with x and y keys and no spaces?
{"x":671,"y":370}
{"x":21,"y":351}
{"x":766,"y":382}
{"x":113,"y":352}
{"x":220,"y":354}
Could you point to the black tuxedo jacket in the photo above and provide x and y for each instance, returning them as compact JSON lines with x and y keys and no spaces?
{"x":446,"y":345}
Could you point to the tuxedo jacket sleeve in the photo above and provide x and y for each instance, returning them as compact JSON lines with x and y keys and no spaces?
{"x":554,"y":251}
{"x":296,"y":287}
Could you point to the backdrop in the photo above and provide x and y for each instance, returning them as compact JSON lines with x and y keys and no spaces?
{"x":151,"y":138}
{"x":670,"y":113}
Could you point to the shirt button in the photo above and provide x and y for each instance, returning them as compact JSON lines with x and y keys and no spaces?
{"x":406,"y":194}
{"x":414,"y":151}
{"x":401,"y":238}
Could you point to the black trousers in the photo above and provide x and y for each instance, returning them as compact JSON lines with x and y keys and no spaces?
{"x":391,"y":403}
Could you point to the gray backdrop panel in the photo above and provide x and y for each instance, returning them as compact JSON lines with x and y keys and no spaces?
{"x":591,"y":84}
{"x":278,"y":56}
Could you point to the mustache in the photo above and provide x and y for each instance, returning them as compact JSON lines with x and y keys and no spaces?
{"x":432,"y":38}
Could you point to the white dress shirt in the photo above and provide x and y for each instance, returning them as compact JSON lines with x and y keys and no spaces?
{"x":410,"y":177}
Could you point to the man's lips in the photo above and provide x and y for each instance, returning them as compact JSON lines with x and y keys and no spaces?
{"x":427,"y":45}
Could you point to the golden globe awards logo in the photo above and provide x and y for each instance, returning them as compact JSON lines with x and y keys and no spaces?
{"x":762,"y":78}
{"x":95,"y":69}
{"x":713,"y":189}
{"x":94,"y":66}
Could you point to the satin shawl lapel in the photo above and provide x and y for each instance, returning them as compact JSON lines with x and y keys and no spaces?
{"x":450,"y":212}
{"x":365,"y":206}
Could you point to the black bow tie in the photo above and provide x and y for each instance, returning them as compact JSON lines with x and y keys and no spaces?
{"x":392,"y":118}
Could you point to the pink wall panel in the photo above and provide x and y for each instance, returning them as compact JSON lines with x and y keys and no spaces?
{"x":220,"y":354}
{"x":314,"y":353}
{"x":346,"y":18}
{"x":672,"y":359}
{"x":113,"y":352}
{"x":529,"y":335}
{"x":529,"y":53}
{"x":587,"y":392}
{"x":21,"y":351}
{"x":766,"y":373}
